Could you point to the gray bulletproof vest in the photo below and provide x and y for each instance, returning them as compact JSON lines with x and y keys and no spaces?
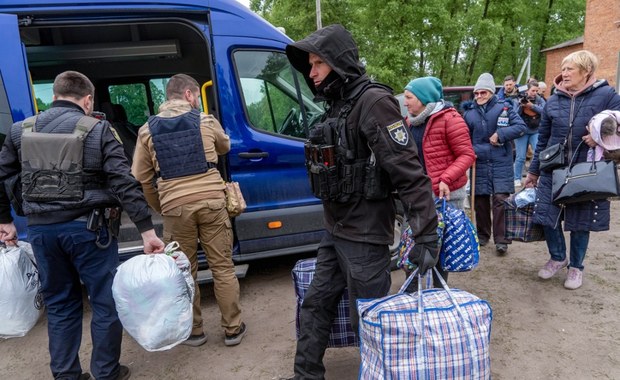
{"x":52,"y":167}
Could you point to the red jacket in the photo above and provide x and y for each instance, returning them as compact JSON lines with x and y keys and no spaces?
{"x":448,"y":152}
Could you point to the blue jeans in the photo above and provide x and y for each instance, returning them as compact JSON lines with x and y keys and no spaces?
{"x":557,"y":245}
{"x":521,"y":151}
{"x":66,"y":253}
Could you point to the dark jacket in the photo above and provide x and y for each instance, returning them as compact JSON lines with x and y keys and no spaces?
{"x":554,"y":127}
{"x":494,"y":164}
{"x":501,"y":93}
{"x":376,"y":110}
{"x":102,"y":153}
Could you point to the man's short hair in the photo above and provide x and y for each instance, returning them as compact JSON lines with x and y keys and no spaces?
{"x":532,"y":83}
{"x":509,"y":77}
{"x":73,"y":85}
{"x":178,"y":84}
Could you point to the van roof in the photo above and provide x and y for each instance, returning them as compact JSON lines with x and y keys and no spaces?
{"x":120,"y":4}
{"x":228,"y":15}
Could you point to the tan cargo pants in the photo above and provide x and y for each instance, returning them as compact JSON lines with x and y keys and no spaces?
{"x":207,"y":220}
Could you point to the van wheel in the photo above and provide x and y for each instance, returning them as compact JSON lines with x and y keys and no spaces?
{"x":399,"y":226}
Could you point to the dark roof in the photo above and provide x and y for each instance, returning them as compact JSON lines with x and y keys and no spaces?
{"x":576,"y":41}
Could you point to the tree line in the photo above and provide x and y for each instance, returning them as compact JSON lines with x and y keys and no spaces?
{"x":455,"y":40}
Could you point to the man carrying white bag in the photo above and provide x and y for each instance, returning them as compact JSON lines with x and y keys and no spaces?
{"x":431,"y":334}
{"x":20,"y":300}
{"x":153,"y":296}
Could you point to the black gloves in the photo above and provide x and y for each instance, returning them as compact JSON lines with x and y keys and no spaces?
{"x":425,"y":253}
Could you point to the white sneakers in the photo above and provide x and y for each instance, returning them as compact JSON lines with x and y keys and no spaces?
{"x":517,"y":183}
{"x":574,"y":278}
{"x":551,"y":268}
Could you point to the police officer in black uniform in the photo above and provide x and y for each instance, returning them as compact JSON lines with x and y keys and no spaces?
{"x":74,"y":175}
{"x":356,"y":156}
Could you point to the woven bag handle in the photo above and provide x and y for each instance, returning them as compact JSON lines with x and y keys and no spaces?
{"x":466,"y":321}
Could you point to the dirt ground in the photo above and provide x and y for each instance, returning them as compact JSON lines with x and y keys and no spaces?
{"x":540,"y":330}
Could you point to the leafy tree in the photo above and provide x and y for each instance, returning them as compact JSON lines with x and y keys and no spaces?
{"x":455,"y":40}
{"x":133,"y":98}
{"x":41,"y":105}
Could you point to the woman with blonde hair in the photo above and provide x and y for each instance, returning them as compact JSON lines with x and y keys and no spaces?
{"x":577,"y":97}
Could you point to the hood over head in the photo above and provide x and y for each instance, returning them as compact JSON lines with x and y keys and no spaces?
{"x":335,"y":45}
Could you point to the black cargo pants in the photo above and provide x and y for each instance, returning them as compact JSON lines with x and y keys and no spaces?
{"x":363,"y":268}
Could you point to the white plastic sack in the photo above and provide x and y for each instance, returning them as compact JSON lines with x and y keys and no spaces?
{"x":20,"y":301}
{"x":154,"y":295}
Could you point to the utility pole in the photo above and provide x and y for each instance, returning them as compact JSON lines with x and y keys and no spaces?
{"x":526,"y":65}
{"x":318,"y":15}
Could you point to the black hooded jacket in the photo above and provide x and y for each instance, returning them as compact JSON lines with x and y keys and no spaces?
{"x":376,"y":122}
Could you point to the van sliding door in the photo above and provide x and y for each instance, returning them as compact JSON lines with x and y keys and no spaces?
{"x":16,"y":102}
{"x":14,"y":72}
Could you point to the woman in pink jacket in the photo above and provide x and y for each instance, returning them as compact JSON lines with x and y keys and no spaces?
{"x":443,"y":142}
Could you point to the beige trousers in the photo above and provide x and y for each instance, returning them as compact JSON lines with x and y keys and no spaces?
{"x":207,"y":221}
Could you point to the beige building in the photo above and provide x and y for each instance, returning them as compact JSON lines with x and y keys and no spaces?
{"x":601,"y":36}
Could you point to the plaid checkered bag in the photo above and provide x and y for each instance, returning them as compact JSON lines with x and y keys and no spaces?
{"x":432,"y":334}
{"x":342,"y":334}
{"x":519,"y":222}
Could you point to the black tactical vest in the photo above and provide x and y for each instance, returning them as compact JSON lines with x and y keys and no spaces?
{"x":178,"y":145}
{"x":336,"y":168}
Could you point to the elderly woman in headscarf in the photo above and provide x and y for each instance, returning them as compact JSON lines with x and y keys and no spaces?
{"x":578,"y":96}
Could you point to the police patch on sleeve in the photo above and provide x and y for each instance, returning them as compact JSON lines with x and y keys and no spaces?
{"x":115,"y":134}
{"x":398,"y":133}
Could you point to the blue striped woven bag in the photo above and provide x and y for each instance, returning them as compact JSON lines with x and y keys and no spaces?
{"x":438,"y":334}
{"x":341,"y":334}
{"x":460,"y":249}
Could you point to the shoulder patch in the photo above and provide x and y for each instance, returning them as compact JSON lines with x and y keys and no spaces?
{"x":116,"y":136}
{"x":398,"y":133}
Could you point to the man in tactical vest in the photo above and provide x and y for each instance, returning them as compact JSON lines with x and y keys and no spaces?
{"x":359,"y":152}
{"x":178,"y":151}
{"x":74,"y":176}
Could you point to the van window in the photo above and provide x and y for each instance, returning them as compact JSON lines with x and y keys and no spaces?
{"x":270,"y":93}
{"x":133,"y":98}
{"x":43,"y":93}
{"x":158,"y":92}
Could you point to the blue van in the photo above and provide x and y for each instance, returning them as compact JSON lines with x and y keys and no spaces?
{"x":129,"y":49}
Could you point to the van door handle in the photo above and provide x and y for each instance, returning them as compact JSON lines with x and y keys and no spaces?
{"x":253,"y":155}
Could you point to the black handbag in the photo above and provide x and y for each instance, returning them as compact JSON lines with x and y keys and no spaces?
{"x":552,"y":158}
{"x":585,"y":181}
